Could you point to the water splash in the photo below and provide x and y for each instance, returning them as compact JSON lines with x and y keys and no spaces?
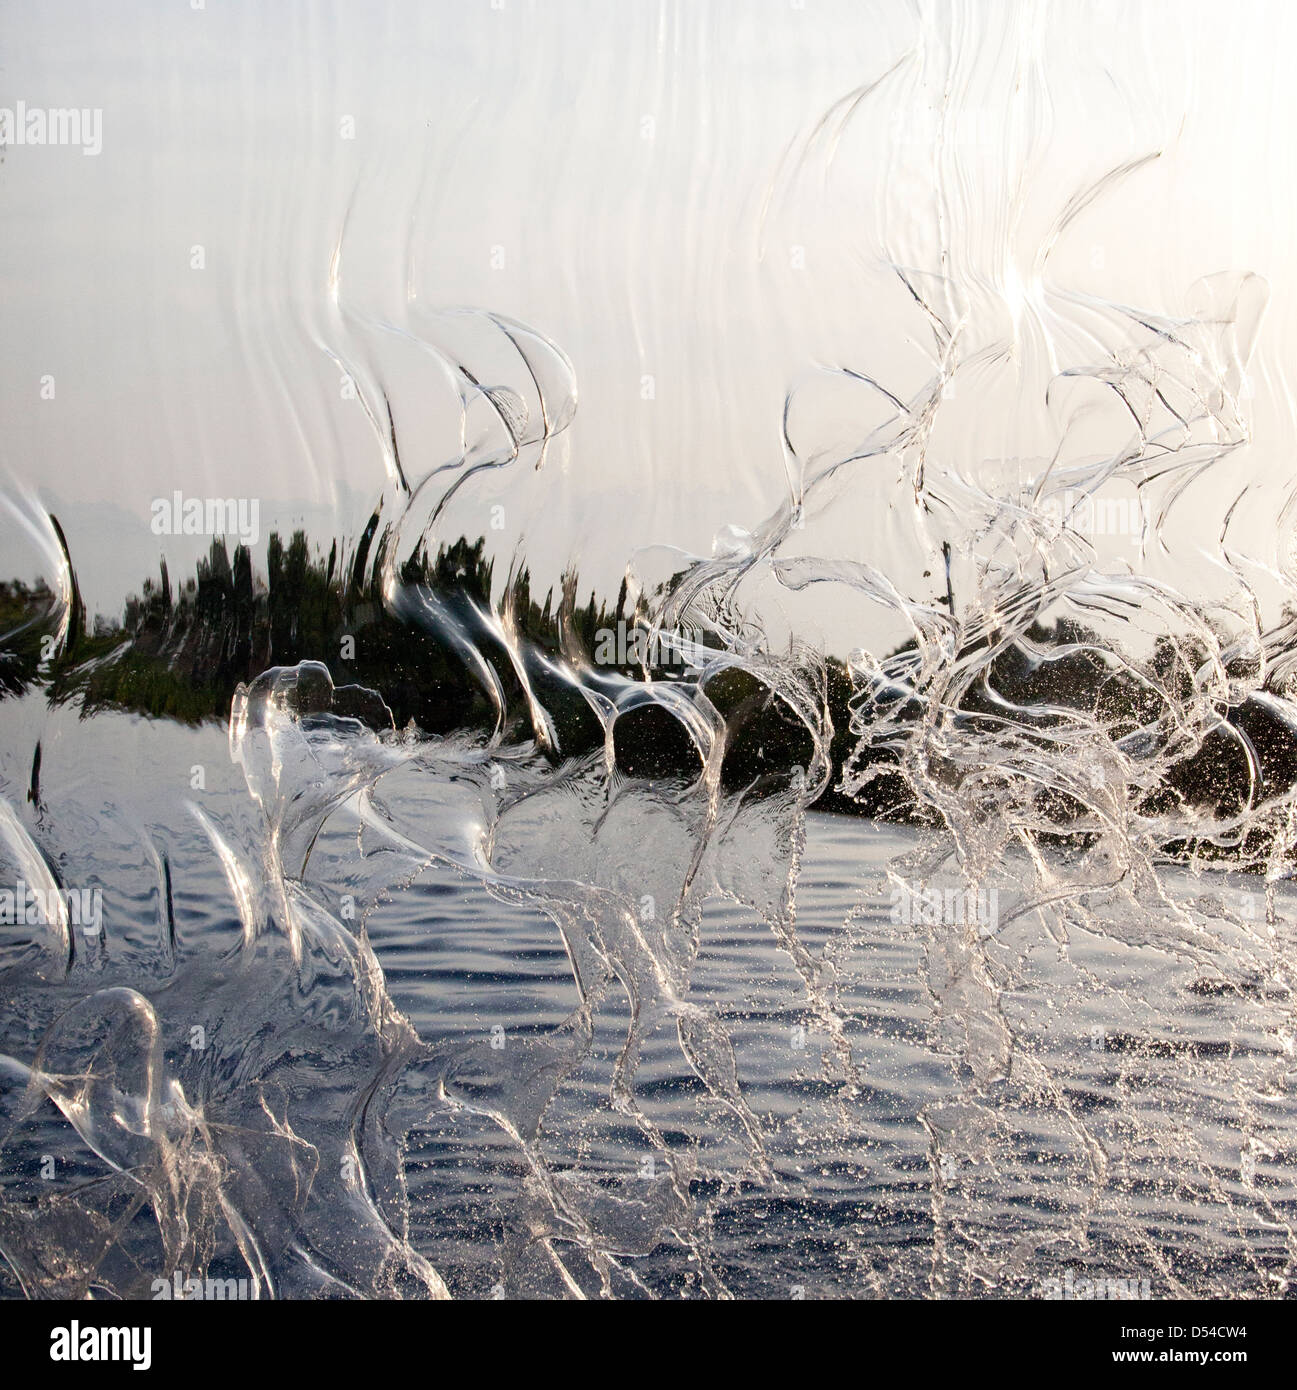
{"x":1050,"y":1030}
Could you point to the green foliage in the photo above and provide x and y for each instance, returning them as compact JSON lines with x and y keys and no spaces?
{"x":179,"y":653}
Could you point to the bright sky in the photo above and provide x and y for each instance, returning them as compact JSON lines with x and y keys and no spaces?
{"x":625,"y":178}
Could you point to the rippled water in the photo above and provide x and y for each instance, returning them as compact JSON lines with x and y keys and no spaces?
{"x":1110,"y":1139}
{"x":648,"y":653}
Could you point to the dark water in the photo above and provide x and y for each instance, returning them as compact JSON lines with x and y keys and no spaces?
{"x":1105,"y":1159}
{"x":375,"y":920}
{"x":1046,"y":1108}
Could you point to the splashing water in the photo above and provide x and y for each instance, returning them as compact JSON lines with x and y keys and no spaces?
{"x":577,"y":995}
